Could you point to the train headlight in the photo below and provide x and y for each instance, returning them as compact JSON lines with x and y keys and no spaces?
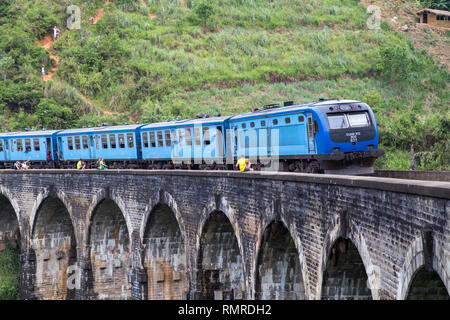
{"x":370,"y":146}
{"x":336,"y":149}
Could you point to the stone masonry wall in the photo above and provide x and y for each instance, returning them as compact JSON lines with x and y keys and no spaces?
{"x":397,"y":226}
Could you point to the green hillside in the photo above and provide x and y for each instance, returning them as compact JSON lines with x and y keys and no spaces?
{"x":169,"y":59}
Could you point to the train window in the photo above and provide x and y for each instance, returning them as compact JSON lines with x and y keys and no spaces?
{"x":275,"y":122}
{"x":145,"y":139}
{"x":174,"y":136}
{"x":337,"y":121}
{"x":12,"y":145}
{"x":263,"y":123}
{"x":19,"y":145}
{"x":167,"y":137}
{"x":301,"y":118}
{"x":206,"y":136}
{"x":219,"y":139}
{"x":1,"y":145}
{"x":97,"y":145}
{"x":36,"y":145}
{"x":70,"y":143}
{"x":287,"y":120}
{"x":188,"y":137}
{"x":152,"y":139}
{"x":360,"y":119}
{"x":197,"y":136}
{"x":160,"y":139}
{"x":181,"y":136}
{"x":27,"y":145}
{"x":85,"y":142}
{"x":104,"y":141}
{"x":130,"y":140}
{"x":252,"y":124}
{"x":121,"y":139}
{"x":77,"y":143}
{"x":316,"y":126}
{"x":112,"y":141}
{"x":244,"y":126}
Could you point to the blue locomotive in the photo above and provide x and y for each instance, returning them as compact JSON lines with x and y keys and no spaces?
{"x":328,"y":136}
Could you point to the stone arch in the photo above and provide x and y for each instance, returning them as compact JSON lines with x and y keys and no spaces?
{"x":273,"y":213}
{"x":219,"y":209}
{"x":9,"y":222}
{"x":414,"y":262}
{"x":41,"y":197}
{"x":109,"y":243}
{"x":9,"y":196}
{"x":53,"y":246}
{"x":164,"y":255}
{"x":162,"y":197}
{"x":356,"y":239}
{"x":99,"y":197}
{"x":275,"y":239}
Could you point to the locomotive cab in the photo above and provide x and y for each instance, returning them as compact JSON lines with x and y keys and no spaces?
{"x":352,"y":138}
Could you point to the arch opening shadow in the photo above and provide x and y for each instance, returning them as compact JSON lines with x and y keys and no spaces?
{"x":220,"y":271}
{"x":10,"y":265}
{"x":278,"y":273}
{"x":54,"y":247}
{"x":164,"y":256}
{"x":109,"y":253}
{"x":345,"y":277}
{"x":427,"y":285}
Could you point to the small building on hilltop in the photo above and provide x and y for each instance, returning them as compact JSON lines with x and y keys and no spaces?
{"x":434,"y":18}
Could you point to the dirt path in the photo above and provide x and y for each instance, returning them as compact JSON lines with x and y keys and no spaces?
{"x":150,"y":15}
{"x":46,"y":43}
{"x":100,"y":13}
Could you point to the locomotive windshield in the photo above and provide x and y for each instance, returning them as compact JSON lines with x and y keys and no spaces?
{"x":337,"y":121}
{"x":345,"y":120}
{"x":360,"y":119}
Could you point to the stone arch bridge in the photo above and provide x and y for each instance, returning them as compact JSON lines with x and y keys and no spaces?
{"x":133,"y":234}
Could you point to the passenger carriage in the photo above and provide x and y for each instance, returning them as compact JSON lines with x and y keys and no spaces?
{"x":120,"y":146}
{"x":194,"y":143}
{"x":38,"y":147}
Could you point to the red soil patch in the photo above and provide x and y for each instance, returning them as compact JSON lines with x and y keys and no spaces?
{"x":46,"y":43}
{"x":150,"y":15}
{"x":100,"y":13}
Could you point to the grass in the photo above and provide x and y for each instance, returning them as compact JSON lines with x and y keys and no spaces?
{"x":9,"y":273}
{"x":247,"y":54}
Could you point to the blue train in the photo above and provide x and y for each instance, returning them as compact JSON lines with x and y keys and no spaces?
{"x":327,"y":136}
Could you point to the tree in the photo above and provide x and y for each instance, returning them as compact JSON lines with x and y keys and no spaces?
{"x":6,"y":62}
{"x":204,"y":10}
{"x":53,"y":116}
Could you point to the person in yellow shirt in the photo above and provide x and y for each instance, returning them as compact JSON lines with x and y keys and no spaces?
{"x":79,"y":165}
{"x":243,"y":164}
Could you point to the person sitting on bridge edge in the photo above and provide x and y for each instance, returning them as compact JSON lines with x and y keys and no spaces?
{"x":243,"y":164}
{"x":25,"y":165}
{"x":17,"y":165}
{"x":101,"y":164}
{"x":80,"y":165}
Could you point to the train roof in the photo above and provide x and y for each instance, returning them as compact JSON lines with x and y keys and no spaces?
{"x":289,"y":109}
{"x":187,"y":122}
{"x":28,"y":133}
{"x":129,"y":127}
